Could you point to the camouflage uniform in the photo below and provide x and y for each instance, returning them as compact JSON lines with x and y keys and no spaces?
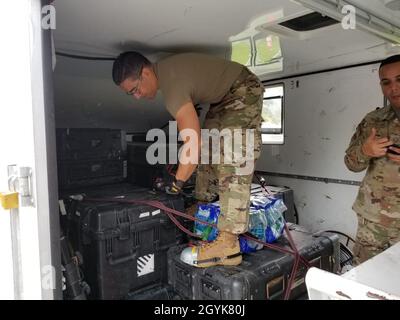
{"x":378,"y":201}
{"x":240,"y":108}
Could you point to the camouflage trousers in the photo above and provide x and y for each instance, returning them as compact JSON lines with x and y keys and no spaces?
{"x":372,"y":238}
{"x":238,"y":111}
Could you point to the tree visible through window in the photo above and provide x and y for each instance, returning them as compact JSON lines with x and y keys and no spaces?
{"x":261,"y":54}
{"x":242,"y":52}
{"x":272,"y":113}
{"x":268,"y":50}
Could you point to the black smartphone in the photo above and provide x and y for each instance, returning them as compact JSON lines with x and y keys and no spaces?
{"x":392,"y":151}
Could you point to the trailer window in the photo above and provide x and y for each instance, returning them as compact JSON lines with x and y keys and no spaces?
{"x":242,"y":52}
{"x":268,"y":50}
{"x":272,"y":126}
{"x":261,"y":54}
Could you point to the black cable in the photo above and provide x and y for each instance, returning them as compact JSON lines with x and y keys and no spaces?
{"x":75,"y":56}
{"x":341,"y":233}
{"x":262,"y":183}
{"x":161,"y":128}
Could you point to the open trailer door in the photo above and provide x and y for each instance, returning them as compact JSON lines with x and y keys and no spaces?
{"x":29,"y":227}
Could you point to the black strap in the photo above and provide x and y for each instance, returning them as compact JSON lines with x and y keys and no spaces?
{"x":217,"y":259}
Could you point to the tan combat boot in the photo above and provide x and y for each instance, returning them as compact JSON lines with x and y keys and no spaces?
{"x":225,"y":251}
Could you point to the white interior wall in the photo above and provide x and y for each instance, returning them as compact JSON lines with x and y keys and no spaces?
{"x":321,"y":115}
{"x":86,"y":97}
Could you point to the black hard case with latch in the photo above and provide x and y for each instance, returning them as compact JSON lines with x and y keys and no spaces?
{"x":124,"y":246}
{"x":263,"y":275}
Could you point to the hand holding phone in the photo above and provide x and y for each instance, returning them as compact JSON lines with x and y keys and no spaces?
{"x":389,"y":150}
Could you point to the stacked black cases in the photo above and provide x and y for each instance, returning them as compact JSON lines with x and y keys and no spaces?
{"x":124,"y":246}
{"x":90,"y":157}
{"x":263,"y":275}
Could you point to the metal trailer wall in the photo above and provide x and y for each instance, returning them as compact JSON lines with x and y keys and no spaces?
{"x":321,"y":114}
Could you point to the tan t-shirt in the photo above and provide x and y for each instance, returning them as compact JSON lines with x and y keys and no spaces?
{"x":196,"y":78}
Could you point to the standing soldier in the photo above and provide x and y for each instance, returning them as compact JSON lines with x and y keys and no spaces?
{"x":376,"y":146}
{"x":235,"y":97}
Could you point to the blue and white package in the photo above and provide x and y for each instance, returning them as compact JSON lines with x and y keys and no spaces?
{"x":208,"y":213}
{"x":273,"y":209}
{"x":266,"y":222}
{"x":257,"y":226}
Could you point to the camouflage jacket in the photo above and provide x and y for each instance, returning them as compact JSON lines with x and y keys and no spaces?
{"x":378,"y":198}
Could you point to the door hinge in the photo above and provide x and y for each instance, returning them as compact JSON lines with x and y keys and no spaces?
{"x":20,"y":181}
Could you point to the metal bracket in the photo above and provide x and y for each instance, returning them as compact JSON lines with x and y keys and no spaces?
{"x":310,"y":178}
{"x":20,"y":180}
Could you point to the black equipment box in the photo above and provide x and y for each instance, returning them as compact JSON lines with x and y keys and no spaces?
{"x":159,"y":292}
{"x":284,"y":193}
{"x":89,"y":144}
{"x":263,"y":275}
{"x":90,"y":157}
{"x":87,"y":173}
{"x":123,"y":246}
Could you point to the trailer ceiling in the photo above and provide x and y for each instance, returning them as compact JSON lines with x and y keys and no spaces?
{"x":157,"y":28}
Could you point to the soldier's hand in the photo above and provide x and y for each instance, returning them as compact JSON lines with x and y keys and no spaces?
{"x":175,"y":187}
{"x":392,"y":156}
{"x":376,"y":147}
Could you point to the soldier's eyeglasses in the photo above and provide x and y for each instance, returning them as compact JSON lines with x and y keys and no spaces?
{"x":135,"y":89}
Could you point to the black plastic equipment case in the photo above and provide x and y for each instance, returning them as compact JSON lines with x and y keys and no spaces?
{"x":89,"y":144}
{"x":87,"y":173}
{"x":281,"y":192}
{"x":263,"y":275}
{"x":124,"y":246}
{"x":90,"y":157}
{"x":159,"y":292}
{"x":109,"y":190}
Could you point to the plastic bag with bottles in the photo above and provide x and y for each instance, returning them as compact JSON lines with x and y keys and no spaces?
{"x":266,"y":221}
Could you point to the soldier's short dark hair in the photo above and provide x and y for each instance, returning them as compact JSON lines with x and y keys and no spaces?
{"x":390,"y":60}
{"x":128,"y":64}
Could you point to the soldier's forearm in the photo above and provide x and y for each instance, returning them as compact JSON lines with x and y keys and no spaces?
{"x":185,"y":171}
{"x":356,"y":160}
{"x":354,"y":166}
